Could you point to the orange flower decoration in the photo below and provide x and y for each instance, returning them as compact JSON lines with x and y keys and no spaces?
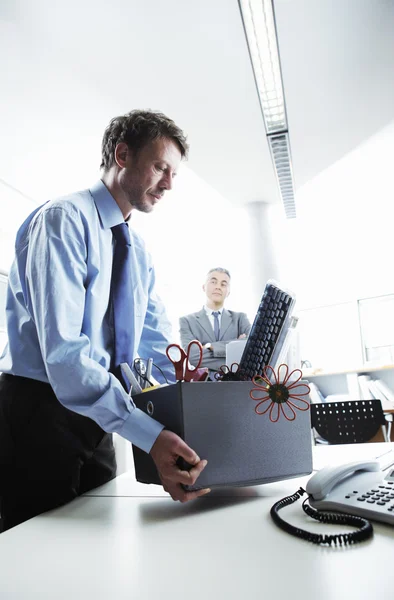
{"x":282,"y":396}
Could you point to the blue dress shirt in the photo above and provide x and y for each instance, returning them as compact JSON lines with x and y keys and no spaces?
{"x":59,"y":321}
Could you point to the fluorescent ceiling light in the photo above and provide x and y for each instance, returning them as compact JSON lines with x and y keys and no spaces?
{"x":259,"y":23}
{"x":260,"y":29}
{"x":280,"y":152}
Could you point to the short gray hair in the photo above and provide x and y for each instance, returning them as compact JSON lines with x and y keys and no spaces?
{"x":221,"y":270}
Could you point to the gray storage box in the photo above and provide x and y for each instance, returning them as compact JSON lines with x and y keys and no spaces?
{"x":218,"y":421}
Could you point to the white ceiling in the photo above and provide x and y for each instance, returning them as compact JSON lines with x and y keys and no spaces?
{"x":337,"y":65}
{"x":68,"y":66}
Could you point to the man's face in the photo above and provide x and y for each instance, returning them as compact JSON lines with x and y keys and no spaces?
{"x":217,"y":287}
{"x":148,"y":174}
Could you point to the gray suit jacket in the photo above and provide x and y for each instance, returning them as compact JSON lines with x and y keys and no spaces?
{"x":197,"y":326}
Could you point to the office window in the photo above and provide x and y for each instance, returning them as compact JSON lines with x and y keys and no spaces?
{"x":347,"y":335}
{"x":377,"y":329}
{"x":330,"y":337}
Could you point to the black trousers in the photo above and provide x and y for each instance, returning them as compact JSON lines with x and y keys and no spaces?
{"x":48,"y":454}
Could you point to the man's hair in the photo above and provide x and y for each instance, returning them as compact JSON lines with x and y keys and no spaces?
{"x":221,"y":270}
{"x":136,"y":129}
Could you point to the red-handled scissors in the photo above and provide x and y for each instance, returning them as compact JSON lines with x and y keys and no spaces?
{"x":181,"y":359}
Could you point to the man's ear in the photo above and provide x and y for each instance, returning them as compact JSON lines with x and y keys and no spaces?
{"x":203,"y":287}
{"x":122,"y":152}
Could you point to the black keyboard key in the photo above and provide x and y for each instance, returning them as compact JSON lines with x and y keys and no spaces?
{"x":266,"y":329}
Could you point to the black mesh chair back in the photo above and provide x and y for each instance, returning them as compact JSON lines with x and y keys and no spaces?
{"x":354,"y":421}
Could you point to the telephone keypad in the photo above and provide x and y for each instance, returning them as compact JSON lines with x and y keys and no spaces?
{"x":374,"y":499}
{"x":381,"y":495}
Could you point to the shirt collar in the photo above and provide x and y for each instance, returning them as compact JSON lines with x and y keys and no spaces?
{"x":209,"y":311}
{"x":107,"y":207}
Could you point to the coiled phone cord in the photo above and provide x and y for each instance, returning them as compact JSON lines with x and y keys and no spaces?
{"x":365,"y":529}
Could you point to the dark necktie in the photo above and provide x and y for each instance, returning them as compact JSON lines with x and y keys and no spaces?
{"x":216,"y":327}
{"x":122,"y":298}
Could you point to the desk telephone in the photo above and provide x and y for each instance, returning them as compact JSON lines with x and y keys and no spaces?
{"x":356,"y":491}
{"x":359,"y":488}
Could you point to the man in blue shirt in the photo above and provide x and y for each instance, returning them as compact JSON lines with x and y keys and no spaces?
{"x":59,"y":400}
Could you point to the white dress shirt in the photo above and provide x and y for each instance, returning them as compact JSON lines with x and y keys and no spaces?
{"x":211,"y":318}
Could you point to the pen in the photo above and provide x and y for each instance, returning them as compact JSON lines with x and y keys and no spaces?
{"x":149,"y":370}
{"x":128,"y":373}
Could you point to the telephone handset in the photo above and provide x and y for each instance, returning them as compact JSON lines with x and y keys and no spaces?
{"x":325,"y":480}
{"x":356,"y":492}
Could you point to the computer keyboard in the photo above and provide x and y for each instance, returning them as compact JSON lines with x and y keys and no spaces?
{"x":268,"y":331}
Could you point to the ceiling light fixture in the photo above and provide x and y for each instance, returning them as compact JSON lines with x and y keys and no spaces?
{"x":259,"y":23}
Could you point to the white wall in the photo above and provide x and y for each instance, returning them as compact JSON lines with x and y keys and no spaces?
{"x":340,"y":247}
{"x":14,"y":208}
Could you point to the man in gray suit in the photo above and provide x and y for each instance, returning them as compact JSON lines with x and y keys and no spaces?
{"x":214,"y":326}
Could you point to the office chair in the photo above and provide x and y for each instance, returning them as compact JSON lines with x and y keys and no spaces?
{"x":350,"y":422}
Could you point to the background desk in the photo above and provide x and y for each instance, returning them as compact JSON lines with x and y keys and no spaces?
{"x":135,"y":543}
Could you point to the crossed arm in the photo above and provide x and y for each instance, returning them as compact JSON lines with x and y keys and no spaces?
{"x":213,"y":357}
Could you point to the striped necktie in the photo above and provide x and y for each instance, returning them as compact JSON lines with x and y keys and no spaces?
{"x":216,"y":326}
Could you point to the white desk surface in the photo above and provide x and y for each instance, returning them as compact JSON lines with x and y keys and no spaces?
{"x":126,"y":484}
{"x":218,"y":547}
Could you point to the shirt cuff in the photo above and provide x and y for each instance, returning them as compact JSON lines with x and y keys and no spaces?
{"x":141,"y":430}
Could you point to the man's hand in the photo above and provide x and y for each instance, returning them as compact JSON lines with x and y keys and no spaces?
{"x":165,"y":452}
{"x":242,"y":336}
